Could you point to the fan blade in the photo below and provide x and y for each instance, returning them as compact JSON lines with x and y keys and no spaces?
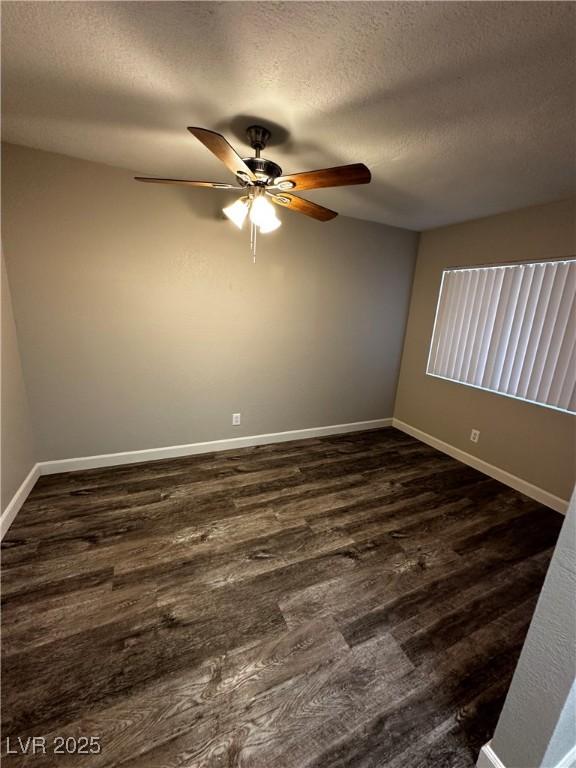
{"x":304,"y":206}
{"x":218,"y":145}
{"x":185,"y":182}
{"x":341,"y":176}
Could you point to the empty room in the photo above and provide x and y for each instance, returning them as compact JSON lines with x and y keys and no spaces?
{"x":288,"y":384}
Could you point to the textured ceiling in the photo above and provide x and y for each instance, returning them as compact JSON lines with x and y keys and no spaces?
{"x":460,"y":109}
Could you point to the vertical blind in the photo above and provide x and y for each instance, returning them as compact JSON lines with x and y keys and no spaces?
{"x":510,"y":329}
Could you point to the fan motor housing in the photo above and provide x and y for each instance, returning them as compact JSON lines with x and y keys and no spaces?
{"x":264,"y":170}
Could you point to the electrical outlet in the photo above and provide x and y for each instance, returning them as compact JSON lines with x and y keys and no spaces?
{"x":475,"y":435}
{"x":235,"y":419}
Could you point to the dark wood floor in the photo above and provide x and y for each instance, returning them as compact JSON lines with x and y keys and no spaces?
{"x":354,"y":601}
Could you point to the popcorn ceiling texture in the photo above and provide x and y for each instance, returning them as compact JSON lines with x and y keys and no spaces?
{"x":461,"y":110}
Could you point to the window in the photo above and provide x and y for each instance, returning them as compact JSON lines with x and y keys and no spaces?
{"x":509,"y":329}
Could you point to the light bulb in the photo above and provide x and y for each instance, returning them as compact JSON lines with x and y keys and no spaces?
{"x":262,"y":214}
{"x":237,"y":212}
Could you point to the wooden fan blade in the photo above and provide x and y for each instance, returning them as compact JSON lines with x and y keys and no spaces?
{"x":303,"y":206}
{"x":185,"y":182}
{"x":218,"y":145}
{"x":341,"y":176}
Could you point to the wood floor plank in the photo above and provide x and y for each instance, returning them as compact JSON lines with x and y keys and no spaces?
{"x":462,"y":675}
{"x":354,"y":594}
{"x":357,"y":600}
{"x":173,"y":706}
{"x":292,"y":714}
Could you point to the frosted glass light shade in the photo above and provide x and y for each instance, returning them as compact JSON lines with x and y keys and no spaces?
{"x":237,"y":212}
{"x":262,"y":214}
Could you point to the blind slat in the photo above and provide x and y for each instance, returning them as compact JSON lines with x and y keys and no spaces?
{"x":500,"y":303}
{"x":558,"y":334}
{"x":445,"y":338}
{"x":560,"y":392}
{"x":517,"y":322}
{"x":501,"y":342}
{"x":474,"y":332}
{"x":486,"y":321}
{"x":537,"y":327}
{"x":547,"y":330}
{"x":526,"y":328}
{"x":454,"y":346}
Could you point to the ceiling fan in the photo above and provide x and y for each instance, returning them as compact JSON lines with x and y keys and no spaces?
{"x":262,"y":181}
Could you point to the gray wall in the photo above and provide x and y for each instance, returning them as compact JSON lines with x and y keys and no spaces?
{"x":534,"y":443}
{"x":143,"y":322}
{"x":18,"y":450}
{"x":537,"y":726}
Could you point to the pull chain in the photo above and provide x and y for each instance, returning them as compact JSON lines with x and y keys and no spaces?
{"x":253,"y":233}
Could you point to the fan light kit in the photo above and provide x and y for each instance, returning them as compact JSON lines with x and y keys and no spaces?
{"x":261,"y":180}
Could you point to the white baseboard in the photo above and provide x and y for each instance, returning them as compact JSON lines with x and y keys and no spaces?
{"x":488,"y":758}
{"x":170,"y":452}
{"x":175,"y":451}
{"x":533,"y":491}
{"x":18,"y":499}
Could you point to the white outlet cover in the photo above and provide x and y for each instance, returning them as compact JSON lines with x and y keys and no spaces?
{"x":236,"y":419}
